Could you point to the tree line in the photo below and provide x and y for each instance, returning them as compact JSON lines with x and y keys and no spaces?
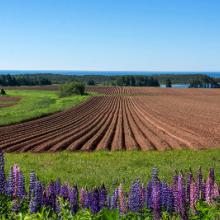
{"x":204,"y":82}
{"x":136,"y":81}
{"x":23,"y":80}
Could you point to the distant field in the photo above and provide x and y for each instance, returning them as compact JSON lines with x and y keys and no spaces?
{"x":31,"y":104}
{"x":119,"y":118}
{"x":92,"y":169}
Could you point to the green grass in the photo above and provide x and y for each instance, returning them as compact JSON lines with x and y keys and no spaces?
{"x":35,"y":104}
{"x":92,"y":169}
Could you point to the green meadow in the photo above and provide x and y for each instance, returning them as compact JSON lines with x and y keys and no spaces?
{"x":35,"y":104}
{"x":112,"y":168}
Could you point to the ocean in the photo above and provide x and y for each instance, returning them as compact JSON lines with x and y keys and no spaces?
{"x":107,"y":73}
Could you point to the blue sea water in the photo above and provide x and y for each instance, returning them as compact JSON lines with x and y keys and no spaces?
{"x":107,"y":73}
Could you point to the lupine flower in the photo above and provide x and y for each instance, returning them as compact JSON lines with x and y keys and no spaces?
{"x":148,"y":195}
{"x":102,"y":197}
{"x":200,"y":185}
{"x":10,"y":183}
{"x":181,"y":198}
{"x":167,"y":197}
{"x":122,"y":202}
{"x":49,"y":196}
{"x":95,"y":201}
{"x":209,"y":186}
{"x":20,"y":186}
{"x":57,"y":186}
{"x":114,"y":202}
{"x":88,"y":199}
{"x":57,"y":206}
{"x":73,"y":199}
{"x":16,"y":173}
{"x":64,"y":191}
{"x":193,"y":195}
{"x":2,"y":173}
{"x":15,"y":206}
{"x":33,"y":179}
{"x":134,"y":198}
{"x":109,"y":201}
{"x":82,"y":196}
{"x":188,"y":184}
{"x":215,"y":191}
{"x":156,"y":199}
{"x":142,"y":198}
{"x":37,"y":197}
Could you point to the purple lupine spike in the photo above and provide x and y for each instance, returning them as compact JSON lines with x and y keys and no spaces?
{"x":52,"y":195}
{"x":82,"y":197}
{"x":57,"y":206}
{"x":33,"y":179}
{"x":64,"y":191}
{"x":216,"y":191}
{"x":209,"y":187}
{"x":46,"y":200}
{"x":94,"y":206}
{"x":16,"y":172}
{"x":102,"y":197}
{"x":36,"y":201}
{"x":114,"y":202}
{"x":164,"y":194}
{"x":73,"y":199}
{"x":175,"y":192}
{"x":49,"y":196}
{"x":167,"y":197}
{"x":134,"y":202}
{"x":188,"y":183}
{"x":156,"y":199}
{"x":10,"y":183}
{"x":142,"y":198}
{"x":200,"y":185}
{"x":15,"y":206}
{"x":21,"y":186}
{"x":181,"y":198}
{"x":2,"y":173}
{"x":170,"y":201}
{"x":122,"y":202}
{"x":57,"y":186}
{"x":109,"y":201}
{"x":148,"y":195}
{"x":88,"y":199}
{"x":193,"y":195}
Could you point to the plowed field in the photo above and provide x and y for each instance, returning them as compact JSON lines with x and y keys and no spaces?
{"x":124,"y":119}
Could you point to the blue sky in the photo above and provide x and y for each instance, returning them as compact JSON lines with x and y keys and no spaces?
{"x":144,"y":35}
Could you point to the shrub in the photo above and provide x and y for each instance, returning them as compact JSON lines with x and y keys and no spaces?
{"x":91,"y":82}
{"x":2,"y":92}
{"x":71,"y":88}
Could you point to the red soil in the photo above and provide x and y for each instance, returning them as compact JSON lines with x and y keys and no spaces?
{"x":129,"y":119}
{"x":6,"y":101}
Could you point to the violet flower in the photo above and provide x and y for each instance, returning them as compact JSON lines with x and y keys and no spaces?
{"x":181,"y":198}
{"x":122,"y":202}
{"x":134,"y":198}
{"x":94,"y":206}
{"x":2,"y":173}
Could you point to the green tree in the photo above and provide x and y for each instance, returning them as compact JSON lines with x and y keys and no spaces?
{"x":71,"y":88}
{"x":168,"y":83}
{"x":91,"y":82}
{"x":2,"y":92}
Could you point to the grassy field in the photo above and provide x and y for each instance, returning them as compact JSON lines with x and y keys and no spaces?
{"x":35,"y":104}
{"x":91,"y":169}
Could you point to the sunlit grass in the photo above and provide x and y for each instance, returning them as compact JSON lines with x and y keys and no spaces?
{"x":35,"y":104}
{"x":91,"y":169}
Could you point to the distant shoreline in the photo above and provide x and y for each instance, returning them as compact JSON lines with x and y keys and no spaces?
{"x":107,"y":73}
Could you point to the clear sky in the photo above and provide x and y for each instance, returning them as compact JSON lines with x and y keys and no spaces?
{"x":151,"y":35}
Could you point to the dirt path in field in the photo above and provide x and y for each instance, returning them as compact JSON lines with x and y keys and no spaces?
{"x":124,"y":118}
